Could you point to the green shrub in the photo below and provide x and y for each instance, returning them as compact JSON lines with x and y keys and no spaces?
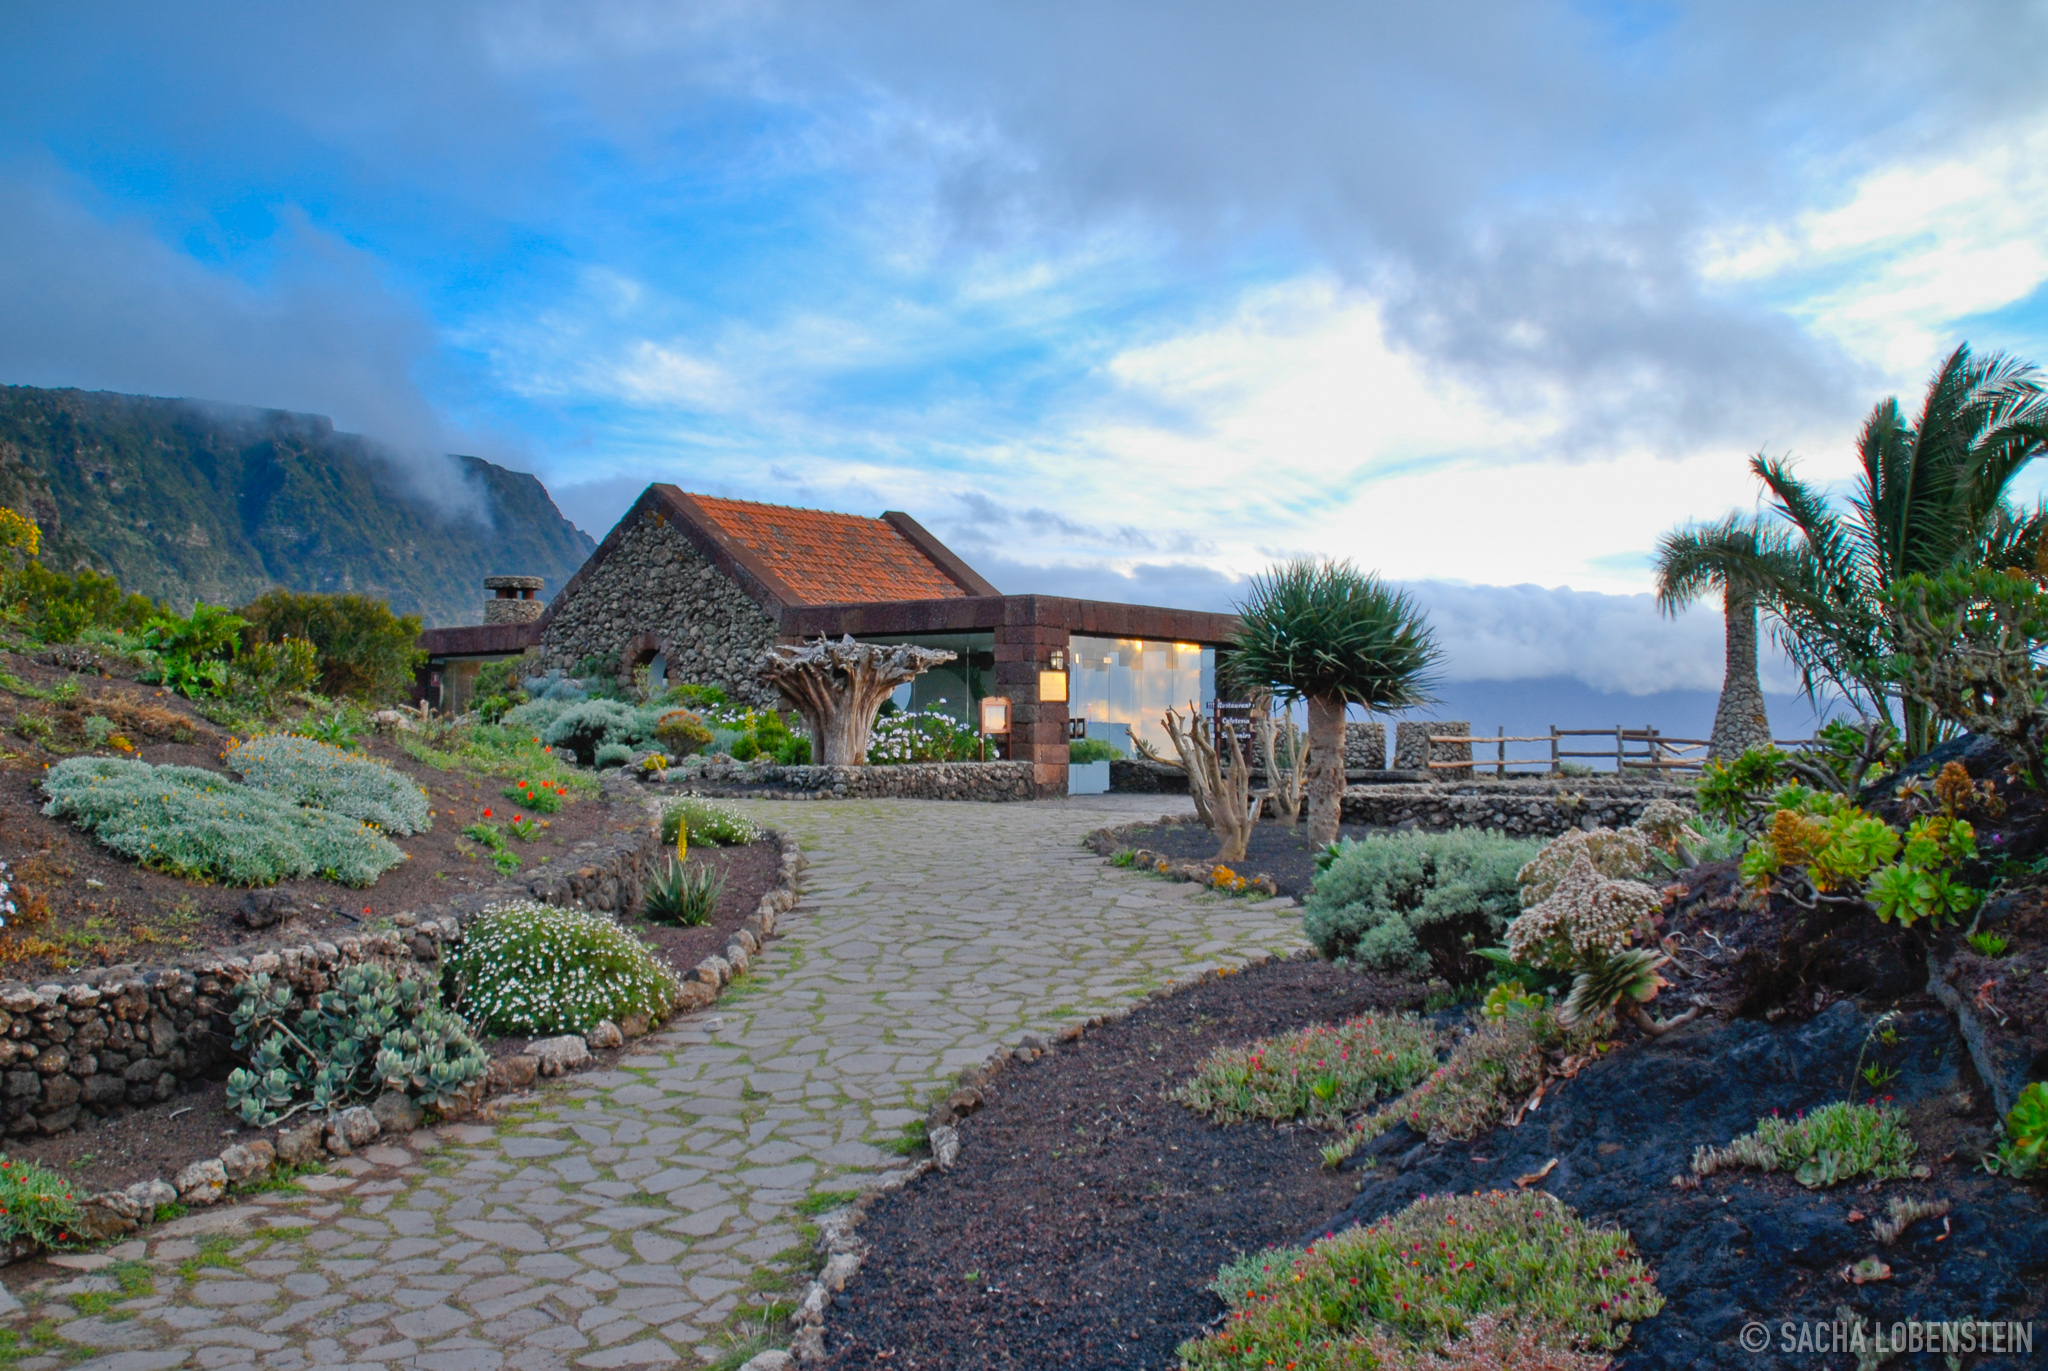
{"x":710,"y":822}
{"x":1420,"y":1279}
{"x":497,"y":688}
{"x":690,"y":696}
{"x":531,"y":968}
{"x":1092,"y":750}
{"x":191,"y":655}
{"x":1417,"y":903}
{"x":681,"y":732}
{"x":201,"y":825}
{"x":370,"y":1032}
{"x":611,"y":755}
{"x":317,"y":776}
{"x":60,"y":606}
{"x":2025,"y":1149}
{"x":1319,"y":1074}
{"x":585,"y":727}
{"x":683,"y":895}
{"x":1836,"y":1142}
{"x":267,"y":670}
{"x":366,"y":652}
{"x":37,"y":1204}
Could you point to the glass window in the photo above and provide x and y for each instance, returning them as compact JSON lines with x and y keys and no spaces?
{"x":953,"y":688}
{"x":1135,"y":681}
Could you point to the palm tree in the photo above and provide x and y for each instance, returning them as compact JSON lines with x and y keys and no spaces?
{"x":1931,"y":495}
{"x":1742,"y":557}
{"x":1329,"y":634}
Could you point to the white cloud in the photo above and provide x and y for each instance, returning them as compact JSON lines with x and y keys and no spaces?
{"x":1906,"y":250}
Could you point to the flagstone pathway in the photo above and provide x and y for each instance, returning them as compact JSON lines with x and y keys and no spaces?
{"x":634,"y":1217}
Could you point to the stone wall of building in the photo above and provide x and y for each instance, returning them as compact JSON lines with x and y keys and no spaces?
{"x":654,"y":582}
{"x":1535,"y":808}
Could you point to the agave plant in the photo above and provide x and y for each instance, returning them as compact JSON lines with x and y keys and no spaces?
{"x":682,"y":894}
{"x":1626,"y":981}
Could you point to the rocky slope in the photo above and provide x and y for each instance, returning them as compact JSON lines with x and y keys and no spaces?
{"x":185,"y":501}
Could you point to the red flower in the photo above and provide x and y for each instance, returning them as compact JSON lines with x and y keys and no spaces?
{"x":487,"y":813}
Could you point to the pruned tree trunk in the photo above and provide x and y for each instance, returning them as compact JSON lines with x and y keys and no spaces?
{"x":1740,"y":721}
{"x":839,"y":688}
{"x":1222,"y":794}
{"x":1325,"y":768}
{"x":1284,"y":785}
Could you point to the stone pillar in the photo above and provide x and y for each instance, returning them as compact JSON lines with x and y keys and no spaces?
{"x":1414,"y":752}
{"x":1365,"y":746}
{"x":1038,"y":731}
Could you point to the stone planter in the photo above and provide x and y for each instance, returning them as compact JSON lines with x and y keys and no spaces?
{"x":1088,"y":778}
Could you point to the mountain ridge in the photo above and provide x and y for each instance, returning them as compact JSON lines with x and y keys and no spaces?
{"x":186,"y":500}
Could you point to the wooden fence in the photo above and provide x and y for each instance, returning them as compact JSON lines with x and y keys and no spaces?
{"x":1632,"y":749}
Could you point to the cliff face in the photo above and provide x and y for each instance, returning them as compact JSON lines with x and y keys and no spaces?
{"x":186,"y":501}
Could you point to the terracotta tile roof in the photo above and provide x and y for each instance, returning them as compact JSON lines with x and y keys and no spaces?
{"x":832,"y":558}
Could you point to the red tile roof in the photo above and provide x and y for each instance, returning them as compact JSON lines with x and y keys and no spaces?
{"x":832,"y":558}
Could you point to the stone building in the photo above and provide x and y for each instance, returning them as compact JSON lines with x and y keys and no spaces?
{"x":693,"y":588}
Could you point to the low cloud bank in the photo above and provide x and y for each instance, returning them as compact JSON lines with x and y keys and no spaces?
{"x":1616,"y":644}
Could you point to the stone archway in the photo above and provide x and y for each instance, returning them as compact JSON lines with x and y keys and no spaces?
{"x":639,"y":651}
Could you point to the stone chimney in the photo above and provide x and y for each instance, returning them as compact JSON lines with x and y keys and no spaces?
{"x":512,"y":599}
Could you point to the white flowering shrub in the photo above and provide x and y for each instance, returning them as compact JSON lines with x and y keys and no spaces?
{"x":1668,"y":823}
{"x":311,"y":773}
{"x":1618,"y":855}
{"x":202,"y":825}
{"x":922,"y":736}
{"x":1586,"y":919}
{"x":527,"y":968}
{"x":7,"y":910}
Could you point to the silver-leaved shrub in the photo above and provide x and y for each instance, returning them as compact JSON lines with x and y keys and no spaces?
{"x":203,"y":826}
{"x":311,"y":773}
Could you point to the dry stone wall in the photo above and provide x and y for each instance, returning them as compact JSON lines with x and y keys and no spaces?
{"x":1413,"y":750}
{"x":114,"y":1040}
{"x":1536,"y":808}
{"x":986,"y":781}
{"x":1365,"y":746}
{"x":710,"y":631}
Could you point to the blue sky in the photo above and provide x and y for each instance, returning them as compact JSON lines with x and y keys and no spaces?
{"x":1121,"y":299}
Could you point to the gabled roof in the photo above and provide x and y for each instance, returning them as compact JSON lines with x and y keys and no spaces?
{"x":787,"y":558}
{"x":825,"y":558}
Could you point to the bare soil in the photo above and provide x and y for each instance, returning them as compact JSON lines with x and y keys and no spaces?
{"x":1279,"y":850}
{"x":1090,"y":1210}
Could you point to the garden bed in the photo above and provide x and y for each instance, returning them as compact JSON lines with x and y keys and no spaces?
{"x":81,"y":905}
{"x":1281,"y":851}
{"x":1089,"y":1211}
{"x":750,"y":872}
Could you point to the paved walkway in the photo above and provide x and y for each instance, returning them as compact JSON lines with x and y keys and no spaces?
{"x":642,"y":1216}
